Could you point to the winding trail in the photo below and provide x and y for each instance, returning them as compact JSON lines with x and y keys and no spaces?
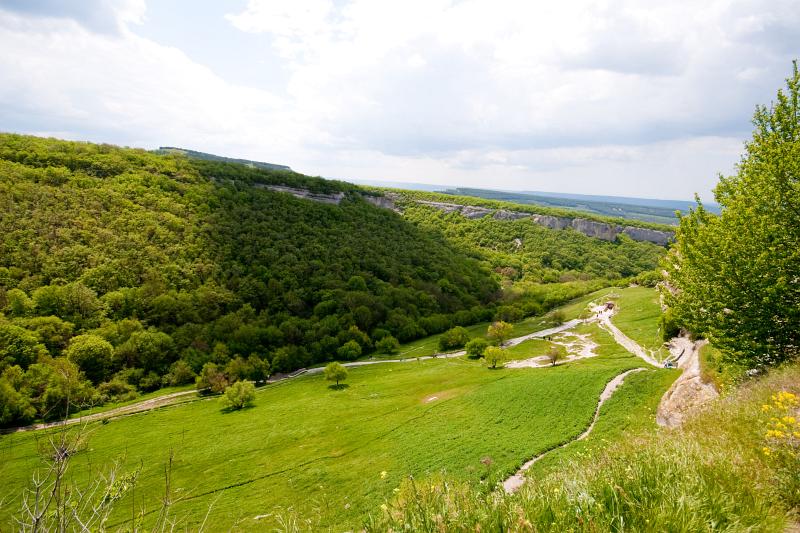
{"x":513,"y":483}
{"x":689,"y":391}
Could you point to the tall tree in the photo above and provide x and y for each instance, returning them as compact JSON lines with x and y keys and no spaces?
{"x":736,"y":277}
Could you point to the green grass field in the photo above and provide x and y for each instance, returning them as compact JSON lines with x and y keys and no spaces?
{"x":637,"y":317}
{"x":313,"y":457}
{"x":315,"y":453}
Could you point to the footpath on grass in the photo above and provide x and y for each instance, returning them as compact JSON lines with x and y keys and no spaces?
{"x":511,"y":484}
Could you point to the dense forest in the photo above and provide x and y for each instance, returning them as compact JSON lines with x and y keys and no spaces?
{"x":123,"y":271}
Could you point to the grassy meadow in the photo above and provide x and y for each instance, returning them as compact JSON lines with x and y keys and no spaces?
{"x":307,"y":452}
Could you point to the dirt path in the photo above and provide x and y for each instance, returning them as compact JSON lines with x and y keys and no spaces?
{"x":604,"y":318}
{"x":581,"y":347}
{"x":688,"y":392}
{"x":513,"y":483}
{"x":146,"y":405}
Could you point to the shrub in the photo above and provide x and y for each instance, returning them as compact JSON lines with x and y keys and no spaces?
{"x":453,"y":338}
{"x":476,"y":347}
{"x":349,"y":351}
{"x":211,"y":379}
{"x":240,"y":394}
{"x":387,"y":344}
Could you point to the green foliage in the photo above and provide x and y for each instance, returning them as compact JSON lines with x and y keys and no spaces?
{"x":168,"y":258}
{"x":335,"y":372}
{"x":349,"y":351}
{"x":733,"y":277}
{"x":476,"y":347}
{"x":239,"y":395}
{"x":211,"y":379}
{"x":19,"y":346}
{"x":453,"y":338}
{"x":92,"y":354}
{"x":387,"y":345}
{"x":499,"y":331}
{"x":493,"y":355}
{"x":521,"y":250}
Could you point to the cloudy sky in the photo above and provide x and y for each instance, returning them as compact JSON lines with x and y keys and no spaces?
{"x":631,"y":98}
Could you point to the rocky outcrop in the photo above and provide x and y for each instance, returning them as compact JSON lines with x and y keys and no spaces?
{"x":334,"y":198}
{"x":552,"y":222}
{"x":590,"y":228}
{"x":650,"y":235}
{"x":380,"y":201}
{"x":469,"y":211}
{"x":502,"y":214}
{"x":598,"y":230}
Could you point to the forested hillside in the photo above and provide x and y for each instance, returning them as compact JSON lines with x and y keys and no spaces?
{"x":123,"y":270}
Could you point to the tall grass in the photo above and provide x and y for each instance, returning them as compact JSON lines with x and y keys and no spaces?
{"x":719,"y":473}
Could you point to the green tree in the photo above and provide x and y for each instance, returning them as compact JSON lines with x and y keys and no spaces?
{"x":453,"y":338}
{"x":387,"y":344}
{"x":335,"y":372}
{"x":734,"y":277}
{"x":239,"y":395}
{"x":19,"y":346}
{"x":476,"y":347}
{"x":92,"y":354}
{"x":19,"y":304}
{"x":349,"y":351}
{"x":500,"y":331}
{"x":493,"y":355}
{"x":211,"y":379}
{"x":259,"y":368}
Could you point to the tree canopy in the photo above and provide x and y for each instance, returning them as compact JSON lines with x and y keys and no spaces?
{"x":736,"y":277}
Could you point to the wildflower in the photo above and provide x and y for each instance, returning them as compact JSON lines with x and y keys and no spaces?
{"x":396,"y":490}
{"x":384,"y":474}
{"x":766,"y":450}
{"x":384,"y":507}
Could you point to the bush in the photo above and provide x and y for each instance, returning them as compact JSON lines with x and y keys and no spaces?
{"x":211,"y":379}
{"x":240,"y":394}
{"x":116,"y":390}
{"x":387,"y":344}
{"x":349,"y":351}
{"x":476,"y":347}
{"x":453,"y":339}
{"x":180,"y":373}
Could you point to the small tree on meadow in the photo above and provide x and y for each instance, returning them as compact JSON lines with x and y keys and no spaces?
{"x":554,"y":355}
{"x":476,"y":347}
{"x":387,"y":344}
{"x":335,"y":372}
{"x":500,"y":331}
{"x":493,"y":355}
{"x":240,"y":394}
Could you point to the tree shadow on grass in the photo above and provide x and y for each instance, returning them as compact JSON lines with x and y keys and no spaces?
{"x":340,"y":386}
{"x":229,"y":409}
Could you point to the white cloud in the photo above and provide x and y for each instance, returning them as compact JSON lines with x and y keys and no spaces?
{"x":646,"y":99}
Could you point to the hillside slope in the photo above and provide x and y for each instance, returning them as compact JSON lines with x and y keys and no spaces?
{"x":143,"y":268}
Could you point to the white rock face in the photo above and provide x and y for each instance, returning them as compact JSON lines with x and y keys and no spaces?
{"x":334,"y":198}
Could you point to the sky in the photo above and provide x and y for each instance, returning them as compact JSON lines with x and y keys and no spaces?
{"x":617,"y":97}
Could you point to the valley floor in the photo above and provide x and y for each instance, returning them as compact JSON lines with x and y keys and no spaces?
{"x":324,"y":458}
